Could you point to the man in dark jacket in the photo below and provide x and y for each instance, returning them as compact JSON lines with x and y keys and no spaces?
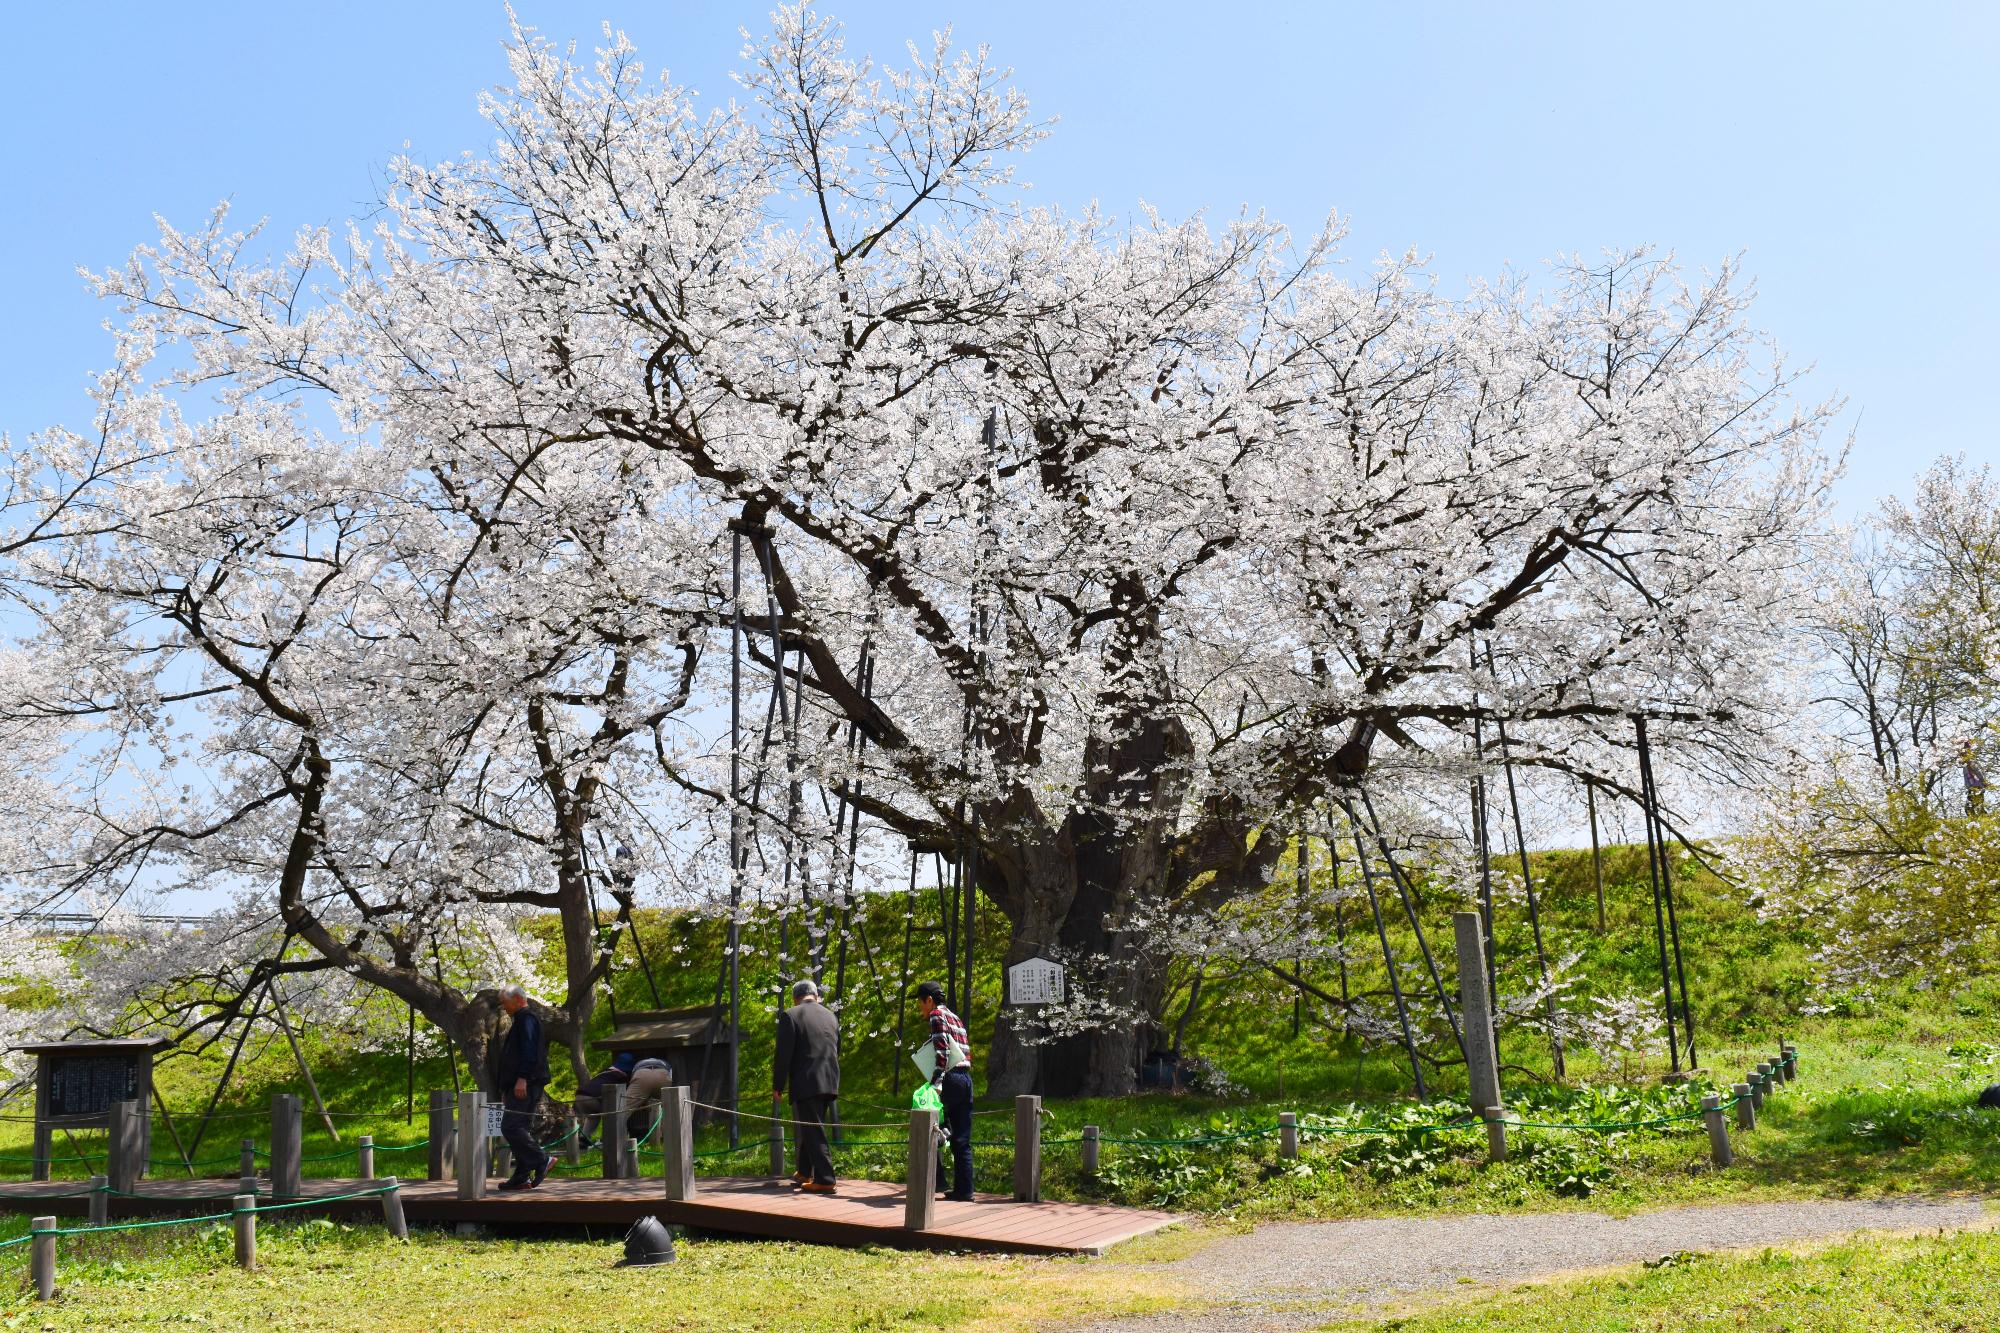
{"x":522,"y":1074}
{"x":807,"y":1063}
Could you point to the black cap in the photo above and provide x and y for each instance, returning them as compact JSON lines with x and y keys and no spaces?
{"x":930,"y":990}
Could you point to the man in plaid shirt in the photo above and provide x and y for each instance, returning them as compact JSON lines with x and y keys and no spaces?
{"x":952,"y":1077}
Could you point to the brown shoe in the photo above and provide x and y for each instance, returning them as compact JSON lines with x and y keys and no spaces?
{"x":814,"y":1187}
{"x":800,"y":1177}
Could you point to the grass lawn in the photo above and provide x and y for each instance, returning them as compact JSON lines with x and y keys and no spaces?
{"x":317,"y":1275}
{"x":1932,"y":1284}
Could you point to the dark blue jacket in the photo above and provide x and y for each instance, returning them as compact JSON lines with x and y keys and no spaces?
{"x":523,"y":1053}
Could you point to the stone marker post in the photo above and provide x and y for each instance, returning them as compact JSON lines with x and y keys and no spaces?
{"x":1718,"y":1130}
{"x":920,"y":1174}
{"x":677,"y":1142}
{"x":285,"y":1141}
{"x":1482,"y":1062}
{"x":1028,"y":1149}
{"x":471,"y":1144}
{"x":441,"y":1156}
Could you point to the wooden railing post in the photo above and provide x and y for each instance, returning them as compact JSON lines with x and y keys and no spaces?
{"x":1718,"y":1130}
{"x":285,"y":1145}
{"x":441,"y":1155}
{"x":1496,"y":1133}
{"x":1090,"y":1152}
{"x":126,"y":1151}
{"x":920,"y":1172}
{"x":1288,"y":1133}
{"x":364,"y":1156}
{"x":471,"y":1144}
{"x":1746,"y":1110}
{"x":100,"y":1200}
{"x":1760,"y":1078}
{"x":573,"y":1141}
{"x":243,"y":1216}
{"x":776,"y":1141}
{"x":611,"y":1133}
{"x":1028,"y":1149}
{"x":677,"y":1142}
{"x":42,"y":1257}
{"x":246,"y":1159}
{"x":392,"y":1209}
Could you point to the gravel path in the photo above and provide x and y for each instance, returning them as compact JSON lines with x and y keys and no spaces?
{"x":1296,"y":1275}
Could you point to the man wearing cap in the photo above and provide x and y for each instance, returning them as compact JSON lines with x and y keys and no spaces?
{"x":807,"y":1063}
{"x":951,"y":1075}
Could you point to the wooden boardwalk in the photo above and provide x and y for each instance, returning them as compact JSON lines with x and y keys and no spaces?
{"x":864,"y":1212}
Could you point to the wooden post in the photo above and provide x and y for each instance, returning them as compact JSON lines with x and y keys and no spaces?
{"x":1028,"y":1149}
{"x":1718,"y":1130}
{"x":365,"y":1156}
{"x":677,"y":1142}
{"x":100,"y":1200}
{"x":471,"y":1144}
{"x":127,"y":1148}
{"x":442,"y":1155}
{"x":1787,"y":1063}
{"x":246,"y":1159}
{"x":1482,"y":1061}
{"x":1288,"y":1133}
{"x":44,"y":1150}
{"x":777,"y":1144}
{"x":1496,"y":1133}
{"x":285,"y":1131}
{"x":1090,"y":1152}
{"x":920,"y":1175}
{"x":392,"y":1209}
{"x":611,"y":1133}
{"x":573,"y":1141}
{"x":243,"y":1216}
{"x":502,"y":1164}
{"x":1760,"y":1078}
{"x":42,"y":1257}
{"x":246,"y":1184}
{"x":1746,"y":1110}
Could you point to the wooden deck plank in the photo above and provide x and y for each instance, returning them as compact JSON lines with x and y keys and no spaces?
{"x":864,"y":1212}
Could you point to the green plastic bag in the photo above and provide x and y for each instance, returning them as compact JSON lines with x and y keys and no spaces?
{"x":926,"y":1098}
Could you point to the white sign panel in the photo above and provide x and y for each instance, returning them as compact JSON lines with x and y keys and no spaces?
{"x":494,"y":1110}
{"x":1037,"y":981}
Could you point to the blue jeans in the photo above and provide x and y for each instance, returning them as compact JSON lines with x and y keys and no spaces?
{"x":957,"y":1093}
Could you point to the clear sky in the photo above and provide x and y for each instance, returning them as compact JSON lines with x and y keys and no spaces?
{"x":1851,"y":152}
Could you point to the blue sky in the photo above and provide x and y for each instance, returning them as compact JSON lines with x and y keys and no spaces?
{"x":1849,"y":151}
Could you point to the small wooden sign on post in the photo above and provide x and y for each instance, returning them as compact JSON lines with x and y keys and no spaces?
{"x":1036,"y":981}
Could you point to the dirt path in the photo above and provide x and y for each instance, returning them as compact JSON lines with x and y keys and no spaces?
{"x":1296,"y":1275}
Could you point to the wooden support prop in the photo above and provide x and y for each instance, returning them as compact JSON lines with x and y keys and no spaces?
{"x":365,"y":1156}
{"x":1718,"y":1130}
{"x":677,"y":1142}
{"x":1746,"y":1110}
{"x":1090,"y":1152}
{"x":286,"y":1131}
{"x":1475,"y":1003}
{"x":392,"y":1209}
{"x":42,"y":1257}
{"x":471,"y":1144}
{"x":246,"y":1159}
{"x":312,"y":1085}
{"x":243,"y":1217}
{"x":1496,"y":1133}
{"x":442,"y":1155}
{"x":776,"y":1140}
{"x":1760,"y":1079}
{"x":920,"y":1173}
{"x":1288,"y":1133}
{"x":612,"y":1136}
{"x":127,"y":1149}
{"x":1028,"y":1149}
{"x":100,"y":1200}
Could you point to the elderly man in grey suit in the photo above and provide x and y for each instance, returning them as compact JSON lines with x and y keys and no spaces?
{"x":807,"y":1064}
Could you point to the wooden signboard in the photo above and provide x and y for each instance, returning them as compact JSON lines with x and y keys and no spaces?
{"x":1036,"y":981}
{"x":76,"y":1083}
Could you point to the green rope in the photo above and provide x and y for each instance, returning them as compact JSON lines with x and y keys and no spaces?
{"x":329,"y":1198}
{"x":132,"y":1226}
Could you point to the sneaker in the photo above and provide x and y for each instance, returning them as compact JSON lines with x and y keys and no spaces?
{"x":541,"y":1172}
{"x":585,"y":1143}
{"x":512,"y":1184}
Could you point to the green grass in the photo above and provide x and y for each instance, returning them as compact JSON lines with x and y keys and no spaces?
{"x":1932,"y":1284}
{"x":317,"y":1275}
